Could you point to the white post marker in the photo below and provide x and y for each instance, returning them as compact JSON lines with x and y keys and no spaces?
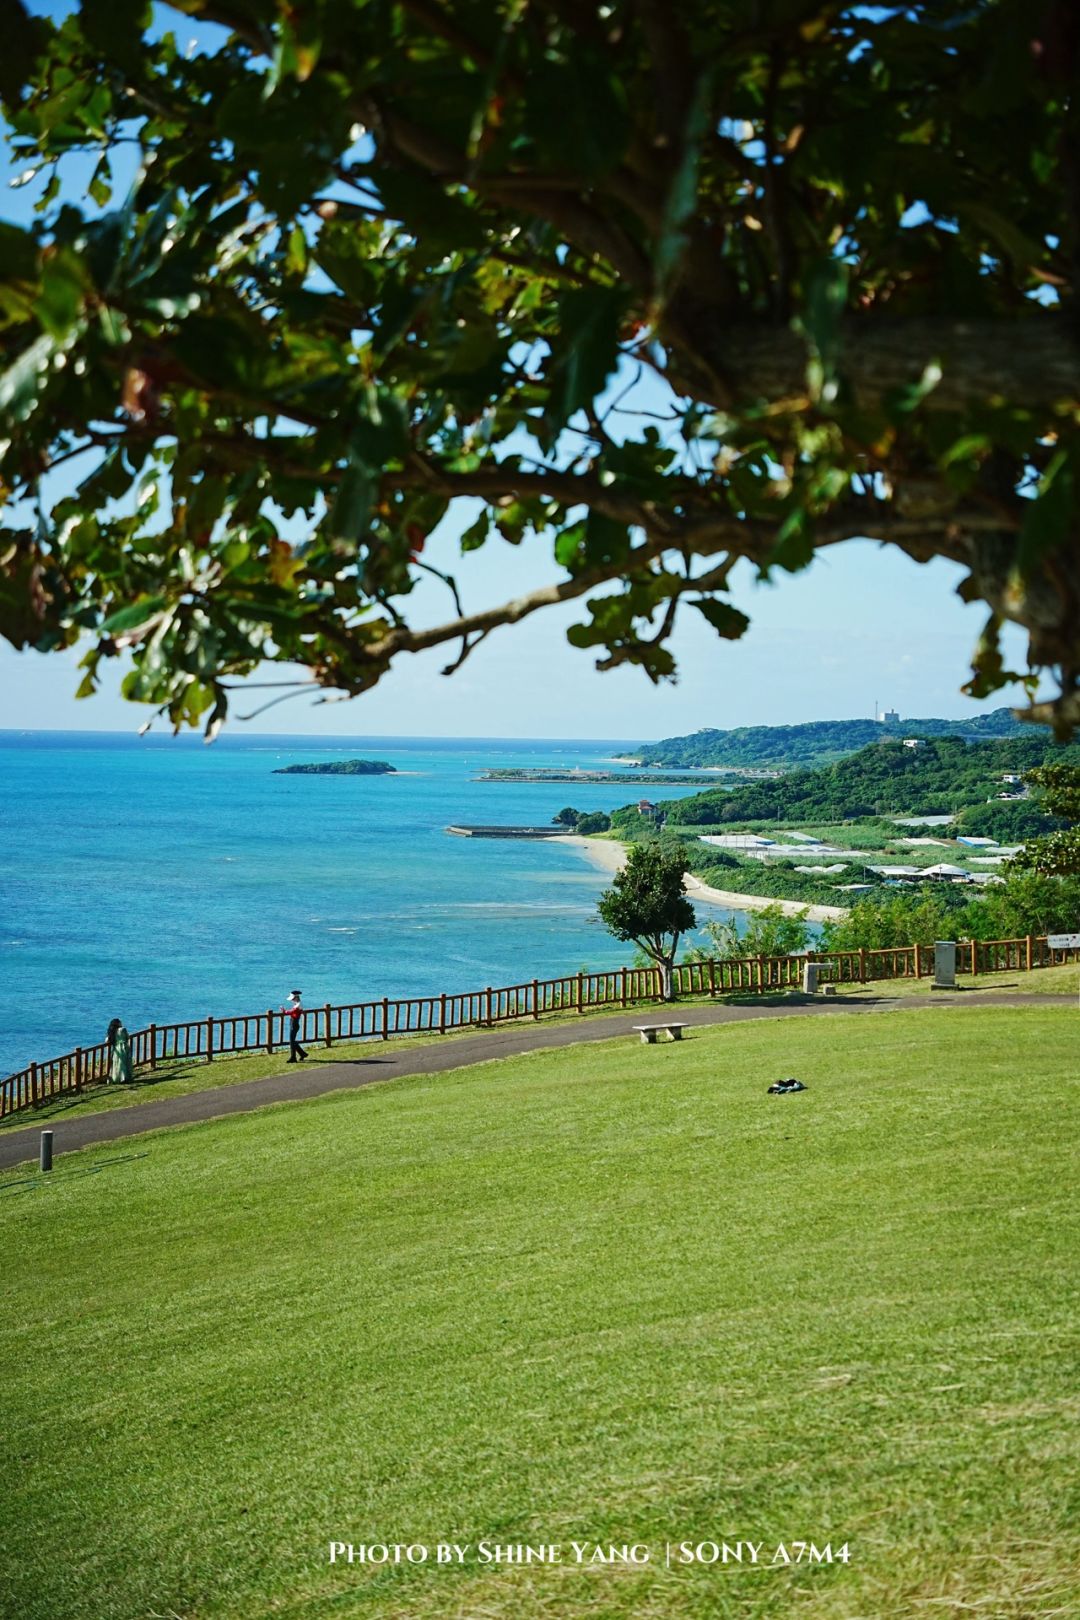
{"x":1065,"y":942}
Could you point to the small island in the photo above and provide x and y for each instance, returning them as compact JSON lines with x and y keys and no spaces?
{"x":340,"y":767}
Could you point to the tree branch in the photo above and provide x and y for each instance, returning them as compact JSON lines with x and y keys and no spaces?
{"x":1033,"y":360}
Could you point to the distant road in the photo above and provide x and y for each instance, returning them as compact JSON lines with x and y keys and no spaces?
{"x":345,"y":1074}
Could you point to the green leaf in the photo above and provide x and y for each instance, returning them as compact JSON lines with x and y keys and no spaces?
{"x":351,"y":511}
{"x":899,"y":403}
{"x":1003,"y":232}
{"x":1050,"y":517}
{"x":585,"y":352}
{"x":59,"y":304}
{"x":108,"y":481}
{"x":24,"y":38}
{"x":726,"y":620}
{"x":100,"y":187}
{"x":380,"y":430}
{"x":133,"y":616}
{"x":606,"y":541}
{"x":299,"y":43}
{"x":476,"y":534}
{"x":296,"y":252}
{"x":24,"y":380}
{"x":570,"y":546}
{"x":824,"y":305}
{"x":794,"y":545}
{"x":18,"y":254}
{"x":116,"y":27}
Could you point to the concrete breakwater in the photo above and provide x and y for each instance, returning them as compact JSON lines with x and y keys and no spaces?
{"x":506,"y":832}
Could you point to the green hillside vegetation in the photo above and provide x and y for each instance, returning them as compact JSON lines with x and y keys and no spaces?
{"x":1008,"y":823}
{"x":851,"y":804}
{"x":1027,"y":904}
{"x":942,"y":775}
{"x":815,"y":743}
{"x":613,"y":1292}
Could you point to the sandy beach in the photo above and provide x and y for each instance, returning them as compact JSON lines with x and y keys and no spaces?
{"x":610,"y":855}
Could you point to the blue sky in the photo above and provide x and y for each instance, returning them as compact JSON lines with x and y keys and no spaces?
{"x":862,"y":624}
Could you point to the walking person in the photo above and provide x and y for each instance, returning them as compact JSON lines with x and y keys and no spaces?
{"x":294,"y":1012}
{"x":119,"y":1044}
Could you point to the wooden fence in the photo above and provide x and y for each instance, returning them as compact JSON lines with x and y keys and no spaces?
{"x":203,"y":1039}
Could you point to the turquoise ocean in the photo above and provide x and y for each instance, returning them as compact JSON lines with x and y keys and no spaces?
{"x":156,"y":879}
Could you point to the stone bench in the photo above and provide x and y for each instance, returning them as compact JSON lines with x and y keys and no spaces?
{"x":649,"y":1032}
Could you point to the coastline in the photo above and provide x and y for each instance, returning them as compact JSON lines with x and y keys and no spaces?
{"x":610,"y":855}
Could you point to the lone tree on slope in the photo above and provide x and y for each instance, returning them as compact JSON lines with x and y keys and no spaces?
{"x":646,"y":904}
{"x":383,"y":257}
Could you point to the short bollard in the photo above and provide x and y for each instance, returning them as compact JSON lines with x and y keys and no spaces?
{"x":45,"y":1158}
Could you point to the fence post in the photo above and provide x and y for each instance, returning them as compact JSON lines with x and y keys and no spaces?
{"x":1029,"y":952}
{"x":442,"y":1014}
{"x":580,"y":989}
{"x":269,"y":1031}
{"x":536,"y":1000}
{"x":209,"y":1040}
{"x":386,"y":1018}
{"x":33,"y":1085}
{"x":326,"y":1027}
{"x":761,"y":973}
{"x":974,"y":958}
{"x":153,"y":1046}
{"x":862,"y":964}
{"x":918,"y":963}
{"x":78,"y":1068}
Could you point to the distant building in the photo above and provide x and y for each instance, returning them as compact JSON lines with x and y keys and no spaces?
{"x":913,"y":742}
{"x":951,"y":874}
{"x":746,"y":841}
{"x":649,"y":810}
{"x":889,"y":717}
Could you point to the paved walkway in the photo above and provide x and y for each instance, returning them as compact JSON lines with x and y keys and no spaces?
{"x":315,"y":1079}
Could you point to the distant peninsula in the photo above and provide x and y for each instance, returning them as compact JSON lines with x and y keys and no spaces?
{"x":580,"y":777}
{"x":340,"y":767}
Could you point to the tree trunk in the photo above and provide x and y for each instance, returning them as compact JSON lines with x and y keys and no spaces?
{"x":1033,"y":360}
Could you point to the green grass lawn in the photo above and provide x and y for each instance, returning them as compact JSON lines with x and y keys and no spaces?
{"x":1049,"y":981}
{"x":611,"y":1293}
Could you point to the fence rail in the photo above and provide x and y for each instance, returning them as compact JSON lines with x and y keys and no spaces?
{"x":208,"y":1038}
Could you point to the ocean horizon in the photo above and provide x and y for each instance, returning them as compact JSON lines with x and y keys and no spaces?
{"x":155,"y":879}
